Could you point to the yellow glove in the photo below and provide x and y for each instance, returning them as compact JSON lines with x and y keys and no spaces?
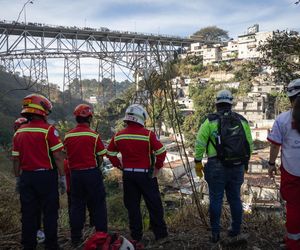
{"x":199,"y":169}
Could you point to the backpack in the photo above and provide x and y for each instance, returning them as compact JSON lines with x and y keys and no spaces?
{"x":105,"y":241}
{"x":231,"y":143}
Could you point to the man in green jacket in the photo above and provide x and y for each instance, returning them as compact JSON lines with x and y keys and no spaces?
{"x":225,"y":137}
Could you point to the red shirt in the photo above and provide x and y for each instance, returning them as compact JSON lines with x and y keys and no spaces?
{"x":136,"y":143}
{"x":34,"y":144}
{"x":83,"y":145}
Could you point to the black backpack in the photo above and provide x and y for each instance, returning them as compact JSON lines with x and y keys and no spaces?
{"x":231,"y":143}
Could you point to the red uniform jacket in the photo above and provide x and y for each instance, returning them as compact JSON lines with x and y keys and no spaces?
{"x":34,"y":144}
{"x":83,"y":145}
{"x":136,"y":143}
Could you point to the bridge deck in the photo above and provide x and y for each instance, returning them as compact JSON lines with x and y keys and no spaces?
{"x":100,"y":34}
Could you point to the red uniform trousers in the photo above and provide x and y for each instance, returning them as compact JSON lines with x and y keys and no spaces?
{"x":290,"y":192}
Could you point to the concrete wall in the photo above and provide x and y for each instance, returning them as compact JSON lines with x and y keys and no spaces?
{"x":221,"y":76}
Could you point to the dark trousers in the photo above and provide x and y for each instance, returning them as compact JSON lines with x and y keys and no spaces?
{"x":87,"y":188}
{"x":39,"y":219}
{"x":91,"y":212}
{"x":135,"y":186}
{"x":38,"y":191}
{"x":229,"y":179}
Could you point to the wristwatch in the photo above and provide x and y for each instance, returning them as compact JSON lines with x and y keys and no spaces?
{"x":271,"y":164}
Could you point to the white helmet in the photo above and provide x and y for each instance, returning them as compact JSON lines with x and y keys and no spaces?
{"x":224,"y":96}
{"x":126,"y":244}
{"x":293,"y":88}
{"x":136,"y":113}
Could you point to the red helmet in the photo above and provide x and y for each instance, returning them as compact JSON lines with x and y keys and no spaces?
{"x":36,"y":104}
{"x":19,"y":122}
{"x":83,"y":110}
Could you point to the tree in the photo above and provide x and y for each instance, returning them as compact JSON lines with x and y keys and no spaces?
{"x":212,"y":33}
{"x":204,"y":104}
{"x":6,"y":129}
{"x":278,"y":103}
{"x":247,"y":71}
{"x":244,"y":88}
{"x":282,"y":53}
{"x":108,"y":119}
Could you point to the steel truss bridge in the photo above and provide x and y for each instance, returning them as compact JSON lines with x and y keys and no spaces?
{"x":25,"y":49}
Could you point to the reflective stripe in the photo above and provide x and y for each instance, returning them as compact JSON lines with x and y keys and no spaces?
{"x":36,"y":106}
{"x":160,"y":151}
{"x":15,"y":153}
{"x":141,"y":170}
{"x":151,"y":160}
{"x":42,"y":130}
{"x":48,"y":150}
{"x":95,"y":146}
{"x":102,"y":152}
{"x":111,"y":153}
{"x":81,"y":134}
{"x":132,"y":137}
{"x":91,"y":134}
{"x":59,"y":145}
{"x":293,"y":236}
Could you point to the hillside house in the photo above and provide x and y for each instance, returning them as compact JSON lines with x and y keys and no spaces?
{"x":248,"y":43}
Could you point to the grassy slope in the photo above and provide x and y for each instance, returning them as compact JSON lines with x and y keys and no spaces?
{"x":185,"y":226}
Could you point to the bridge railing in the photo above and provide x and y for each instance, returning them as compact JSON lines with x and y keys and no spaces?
{"x":100,"y":29}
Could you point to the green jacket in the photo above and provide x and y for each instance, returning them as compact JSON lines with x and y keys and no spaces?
{"x":209,"y":129}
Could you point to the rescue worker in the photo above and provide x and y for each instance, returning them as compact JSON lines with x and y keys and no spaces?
{"x":19,"y":122}
{"x":85,"y":151}
{"x":220,"y":174}
{"x":40,"y":235}
{"x":37,"y":156}
{"x":136,"y":145}
{"x":285,"y":134}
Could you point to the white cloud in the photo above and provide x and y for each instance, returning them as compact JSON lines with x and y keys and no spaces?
{"x":153,"y":16}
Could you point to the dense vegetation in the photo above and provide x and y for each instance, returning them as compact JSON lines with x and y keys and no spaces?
{"x":184,"y":223}
{"x":13,"y":88}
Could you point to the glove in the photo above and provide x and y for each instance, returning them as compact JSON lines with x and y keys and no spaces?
{"x":199,"y":169}
{"x":62,"y":184}
{"x":17,"y":188}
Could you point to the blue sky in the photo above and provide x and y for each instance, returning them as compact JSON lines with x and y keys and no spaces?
{"x":173,"y":17}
